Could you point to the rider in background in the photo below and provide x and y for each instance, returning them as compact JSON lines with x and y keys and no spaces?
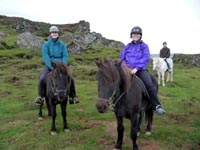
{"x":136,"y":56}
{"x":53,"y":50}
{"x":165,"y":53}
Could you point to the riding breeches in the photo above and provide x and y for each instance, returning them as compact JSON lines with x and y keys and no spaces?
{"x":41,"y":84}
{"x":151,"y":88}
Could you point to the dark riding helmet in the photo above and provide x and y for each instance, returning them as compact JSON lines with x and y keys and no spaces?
{"x":136,"y":30}
{"x":164,"y":43}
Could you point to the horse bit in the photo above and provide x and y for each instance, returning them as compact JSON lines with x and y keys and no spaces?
{"x":111,"y":101}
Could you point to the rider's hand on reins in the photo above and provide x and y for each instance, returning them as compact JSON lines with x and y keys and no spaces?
{"x":133,"y":71}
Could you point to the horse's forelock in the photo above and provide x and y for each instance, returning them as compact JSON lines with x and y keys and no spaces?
{"x":108,"y":70}
{"x":61,"y":68}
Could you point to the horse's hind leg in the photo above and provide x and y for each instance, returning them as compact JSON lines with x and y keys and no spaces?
{"x":168,"y":77}
{"x":163,"y":78}
{"x":64,"y":115}
{"x":171,"y":76}
{"x":140,"y":122}
{"x":40,"y":113}
{"x":48,"y":106}
{"x":149,"y":118}
{"x":120,"y":131}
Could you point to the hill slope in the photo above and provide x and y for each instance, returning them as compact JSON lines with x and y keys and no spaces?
{"x":178,"y":129}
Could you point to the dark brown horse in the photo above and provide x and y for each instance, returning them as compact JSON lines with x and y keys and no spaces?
{"x":126,"y":94}
{"x":56,"y":92}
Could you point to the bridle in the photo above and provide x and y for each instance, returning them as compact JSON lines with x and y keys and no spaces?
{"x":112,"y":101}
{"x":56,"y":91}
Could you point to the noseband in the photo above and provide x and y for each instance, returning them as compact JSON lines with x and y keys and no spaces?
{"x":111,"y":101}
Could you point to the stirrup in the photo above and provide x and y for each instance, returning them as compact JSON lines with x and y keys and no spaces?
{"x":39,"y":101}
{"x":73,"y":101}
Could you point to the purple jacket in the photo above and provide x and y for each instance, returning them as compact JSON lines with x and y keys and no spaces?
{"x":136,"y":55}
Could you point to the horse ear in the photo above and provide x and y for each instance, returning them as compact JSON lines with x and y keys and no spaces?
{"x":53,"y":64}
{"x":97,"y":61}
{"x":118,"y":63}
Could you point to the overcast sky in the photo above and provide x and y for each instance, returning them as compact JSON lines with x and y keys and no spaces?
{"x":175,"y":21}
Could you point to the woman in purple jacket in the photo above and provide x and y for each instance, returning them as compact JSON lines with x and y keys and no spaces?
{"x":136,"y":56}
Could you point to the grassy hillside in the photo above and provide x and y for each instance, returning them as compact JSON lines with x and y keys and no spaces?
{"x":178,"y":129}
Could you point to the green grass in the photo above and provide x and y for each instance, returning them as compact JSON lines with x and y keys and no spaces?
{"x":178,"y":129}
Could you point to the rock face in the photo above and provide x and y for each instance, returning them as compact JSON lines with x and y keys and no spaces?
{"x":193,"y":59}
{"x":77,"y":36}
{"x":28,"y":40}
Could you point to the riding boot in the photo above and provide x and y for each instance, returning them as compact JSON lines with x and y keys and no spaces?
{"x":155,"y":102}
{"x":41,"y":85}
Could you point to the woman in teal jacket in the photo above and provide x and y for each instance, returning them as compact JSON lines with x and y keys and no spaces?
{"x":53,"y":50}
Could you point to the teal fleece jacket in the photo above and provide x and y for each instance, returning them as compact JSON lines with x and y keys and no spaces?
{"x":54,"y":50}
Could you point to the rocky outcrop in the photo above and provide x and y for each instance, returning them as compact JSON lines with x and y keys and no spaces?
{"x":81,"y":41}
{"x":191,"y":59}
{"x":28,"y":40}
{"x":77,"y":36}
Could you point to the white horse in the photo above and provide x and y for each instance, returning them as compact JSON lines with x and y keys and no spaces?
{"x":160,"y":66}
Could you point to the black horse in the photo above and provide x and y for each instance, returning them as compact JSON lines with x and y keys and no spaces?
{"x":57,"y":86}
{"x":127,"y":95}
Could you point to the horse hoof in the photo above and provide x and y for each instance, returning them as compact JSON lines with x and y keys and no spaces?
{"x":40,"y":118}
{"x":116,"y":149}
{"x":66,"y":130}
{"x":53,"y":133}
{"x":148,"y":133}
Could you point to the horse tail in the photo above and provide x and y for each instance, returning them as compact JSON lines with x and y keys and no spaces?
{"x":149,"y":114}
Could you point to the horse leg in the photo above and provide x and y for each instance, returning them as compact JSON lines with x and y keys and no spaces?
{"x":171,"y":76}
{"x":140,"y":122}
{"x":120,"y":131}
{"x":40,"y":113}
{"x":149,"y":118}
{"x":53,"y":113}
{"x":48,"y":106}
{"x":158,"y":78}
{"x":163,"y":78}
{"x":134,"y":126}
{"x":64,"y":115}
{"x":168,"y":76}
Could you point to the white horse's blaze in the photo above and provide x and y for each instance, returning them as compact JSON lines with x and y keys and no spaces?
{"x":160,"y":66}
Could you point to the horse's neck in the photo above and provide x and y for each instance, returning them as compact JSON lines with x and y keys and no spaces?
{"x":162,"y":64}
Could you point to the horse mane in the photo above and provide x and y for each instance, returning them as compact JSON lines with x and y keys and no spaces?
{"x":126,"y":76}
{"x":111,"y":73}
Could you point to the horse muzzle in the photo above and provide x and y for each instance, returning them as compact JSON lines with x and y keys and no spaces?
{"x":102,"y":106}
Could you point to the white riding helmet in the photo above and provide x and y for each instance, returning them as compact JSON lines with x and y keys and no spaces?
{"x":53,"y":29}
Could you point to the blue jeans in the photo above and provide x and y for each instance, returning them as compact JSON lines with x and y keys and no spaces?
{"x":41,"y":84}
{"x":151,"y":88}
